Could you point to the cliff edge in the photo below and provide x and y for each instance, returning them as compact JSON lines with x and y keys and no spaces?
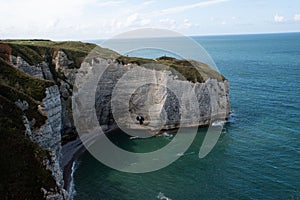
{"x":37,"y":81}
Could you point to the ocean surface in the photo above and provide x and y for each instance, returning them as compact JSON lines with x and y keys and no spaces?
{"x":258,"y":153}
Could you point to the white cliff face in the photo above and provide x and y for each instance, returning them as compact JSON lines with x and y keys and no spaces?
{"x":123,"y":92}
{"x":166,"y":102}
{"x":48,"y":136}
{"x":62,"y":64}
{"x":21,"y":64}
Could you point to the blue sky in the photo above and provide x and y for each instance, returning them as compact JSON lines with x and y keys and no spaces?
{"x":94,"y":19}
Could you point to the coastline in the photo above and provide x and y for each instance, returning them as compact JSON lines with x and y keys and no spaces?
{"x":72,"y":151}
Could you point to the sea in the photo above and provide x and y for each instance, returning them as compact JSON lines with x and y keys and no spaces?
{"x":258,"y":153}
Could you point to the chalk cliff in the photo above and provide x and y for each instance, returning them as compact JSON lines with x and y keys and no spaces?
{"x":159,"y":96}
{"x":37,"y":79}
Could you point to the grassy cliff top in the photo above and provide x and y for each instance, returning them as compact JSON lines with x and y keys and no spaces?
{"x":34,"y":51}
{"x":191,"y":70}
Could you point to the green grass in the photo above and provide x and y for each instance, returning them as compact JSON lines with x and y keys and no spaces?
{"x":186,"y":69}
{"x":33,"y":87}
{"x":183,"y":67}
{"x":32,"y":114}
{"x":192,"y":70}
{"x":33,"y":51}
{"x":25,"y":52}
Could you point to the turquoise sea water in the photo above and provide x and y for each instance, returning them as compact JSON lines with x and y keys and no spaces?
{"x":258,"y":153}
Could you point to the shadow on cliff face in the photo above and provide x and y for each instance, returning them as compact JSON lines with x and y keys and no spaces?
{"x":156,"y":103}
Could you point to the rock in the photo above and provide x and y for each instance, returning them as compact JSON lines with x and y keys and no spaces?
{"x":42,"y":110}
{"x":46,"y":71}
{"x":62,"y":62}
{"x":21,"y":64}
{"x":22,"y":105}
{"x":161,"y":102}
{"x":49,"y":136}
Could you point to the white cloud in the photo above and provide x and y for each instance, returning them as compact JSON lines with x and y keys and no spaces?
{"x":146,"y":3}
{"x":278,"y":18}
{"x":132,"y":19}
{"x":145,"y":22}
{"x":110,"y":3}
{"x":167,"y":21}
{"x":190,"y":6}
{"x":135,"y":20}
{"x":187,"y":23}
{"x":85,"y":19}
{"x":297,"y":17}
{"x":223,"y":22}
{"x":36,"y":18}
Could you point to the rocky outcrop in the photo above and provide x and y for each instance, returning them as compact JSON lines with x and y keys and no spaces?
{"x":21,"y":64}
{"x":62,"y":65}
{"x":48,"y":136}
{"x":159,"y":97}
{"x":164,"y":97}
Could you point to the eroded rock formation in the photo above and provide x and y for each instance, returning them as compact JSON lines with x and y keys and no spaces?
{"x":165,"y":97}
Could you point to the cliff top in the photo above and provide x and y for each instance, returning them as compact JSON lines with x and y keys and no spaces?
{"x":191,"y":70}
{"x":33,"y":51}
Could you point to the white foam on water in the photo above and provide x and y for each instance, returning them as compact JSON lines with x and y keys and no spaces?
{"x":161,"y":196}
{"x":72,"y":191}
{"x":180,"y":154}
{"x":218,"y":123}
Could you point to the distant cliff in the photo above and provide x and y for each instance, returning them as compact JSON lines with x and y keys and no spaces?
{"x":37,"y":78}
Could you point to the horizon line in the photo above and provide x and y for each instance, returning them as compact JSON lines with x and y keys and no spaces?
{"x":192,"y":35}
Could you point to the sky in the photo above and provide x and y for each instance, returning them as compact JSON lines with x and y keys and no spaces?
{"x":101,"y":19}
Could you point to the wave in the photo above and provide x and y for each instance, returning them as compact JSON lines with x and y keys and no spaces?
{"x":231,"y":117}
{"x":218,"y":123}
{"x":161,"y":196}
{"x":72,"y":191}
{"x":185,"y":154}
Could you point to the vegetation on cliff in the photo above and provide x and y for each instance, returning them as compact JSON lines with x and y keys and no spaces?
{"x":190,"y":70}
{"x":22,"y":172}
{"x":34,"y":51}
{"x":22,"y":162}
{"x":22,"y":169}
